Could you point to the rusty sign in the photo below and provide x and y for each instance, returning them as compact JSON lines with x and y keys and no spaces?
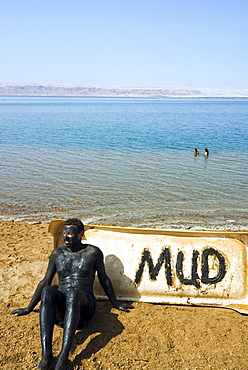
{"x":171,"y":266}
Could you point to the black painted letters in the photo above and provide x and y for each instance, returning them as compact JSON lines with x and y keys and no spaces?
{"x":154,"y":270}
{"x":179,"y":270}
{"x":205,"y":268}
{"x":165,"y":258}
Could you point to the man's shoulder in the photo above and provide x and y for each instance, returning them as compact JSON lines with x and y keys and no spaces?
{"x":93,"y":248}
{"x":57,"y":251}
{"x":94,"y":251}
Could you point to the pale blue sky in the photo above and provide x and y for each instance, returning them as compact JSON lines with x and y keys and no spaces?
{"x":196,"y":43}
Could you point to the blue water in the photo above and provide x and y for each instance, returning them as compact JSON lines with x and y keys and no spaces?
{"x":125,"y":162}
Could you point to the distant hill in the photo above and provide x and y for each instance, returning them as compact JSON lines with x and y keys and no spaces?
{"x":88,"y":90}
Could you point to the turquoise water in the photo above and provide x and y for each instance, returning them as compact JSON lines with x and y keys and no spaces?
{"x":125,"y":162}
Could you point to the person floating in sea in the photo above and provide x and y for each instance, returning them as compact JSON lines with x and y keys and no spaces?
{"x":196,"y":152}
{"x":73,"y":303}
{"x":206,"y":152}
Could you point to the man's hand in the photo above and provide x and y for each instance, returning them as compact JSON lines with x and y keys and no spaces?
{"x":124,"y":306}
{"x":20,"y":312}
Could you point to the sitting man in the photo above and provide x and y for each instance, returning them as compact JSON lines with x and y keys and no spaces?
{"x":73,"y":303}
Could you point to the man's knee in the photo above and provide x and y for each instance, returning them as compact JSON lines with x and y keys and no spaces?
{"x":48,"y":292}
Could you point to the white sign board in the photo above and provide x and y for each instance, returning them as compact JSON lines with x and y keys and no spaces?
{"x":171,"y":266}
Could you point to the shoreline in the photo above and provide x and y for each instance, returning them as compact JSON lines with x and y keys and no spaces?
{"x":231,"y":225}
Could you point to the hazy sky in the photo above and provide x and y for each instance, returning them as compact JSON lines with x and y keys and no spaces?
{"x":198,"y":43}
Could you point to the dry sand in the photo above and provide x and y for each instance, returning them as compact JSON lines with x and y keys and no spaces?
{"x":148,"y":337}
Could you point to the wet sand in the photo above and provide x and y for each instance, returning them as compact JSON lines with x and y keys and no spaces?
{"x":150,"y":336}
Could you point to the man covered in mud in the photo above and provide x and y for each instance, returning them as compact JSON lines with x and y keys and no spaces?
{"x":73,"y":303}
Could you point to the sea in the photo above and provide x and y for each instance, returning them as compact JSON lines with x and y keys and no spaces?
{"x":125,"y":161}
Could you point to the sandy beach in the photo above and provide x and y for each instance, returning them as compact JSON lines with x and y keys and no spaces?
{"x":151,"y":336}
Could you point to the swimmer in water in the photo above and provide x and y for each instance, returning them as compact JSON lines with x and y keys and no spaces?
{"x":196,"y":152}
{"x":206,"y":152}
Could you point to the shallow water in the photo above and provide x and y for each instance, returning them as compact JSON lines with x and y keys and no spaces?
{"x":125,"y":162}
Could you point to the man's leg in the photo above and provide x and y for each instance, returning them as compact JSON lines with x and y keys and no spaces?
{"x":76,"y":306}
{"x":50,"y":299}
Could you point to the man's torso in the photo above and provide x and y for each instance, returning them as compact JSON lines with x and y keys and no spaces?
{"x":76,"y":269}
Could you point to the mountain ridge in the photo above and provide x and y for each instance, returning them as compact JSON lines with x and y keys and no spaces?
{"x":114,"y":91}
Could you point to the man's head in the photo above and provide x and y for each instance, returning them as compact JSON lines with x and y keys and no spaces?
{"x":76,"y":222}
{"x":73,"y":231}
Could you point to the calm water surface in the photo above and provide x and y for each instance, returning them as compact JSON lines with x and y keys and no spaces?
{"x":125,"y":162}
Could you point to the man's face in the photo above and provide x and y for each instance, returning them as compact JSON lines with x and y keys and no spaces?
{"x":70,"y":235}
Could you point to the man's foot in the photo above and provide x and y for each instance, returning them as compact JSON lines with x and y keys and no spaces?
{"x":61,"y":364}
{"x":60,"y":367}
{"x":47,"y":364}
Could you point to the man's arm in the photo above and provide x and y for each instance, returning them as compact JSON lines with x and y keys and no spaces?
{"x":47,"y":280}
{"x":107,"y":284}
